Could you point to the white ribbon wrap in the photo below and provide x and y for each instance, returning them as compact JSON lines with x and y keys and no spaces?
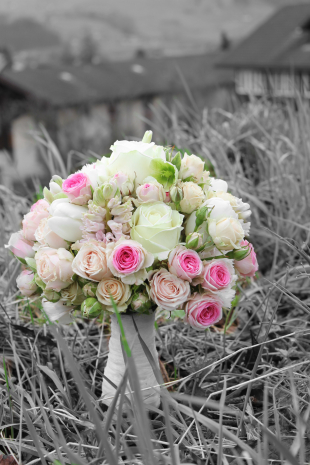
{"x":115,"y":367}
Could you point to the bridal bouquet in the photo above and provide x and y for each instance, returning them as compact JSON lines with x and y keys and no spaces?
{"x":149,"y":228}
{"x":146,"y":227}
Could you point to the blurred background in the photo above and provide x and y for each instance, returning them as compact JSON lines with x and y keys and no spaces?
{"x":92,"y":72}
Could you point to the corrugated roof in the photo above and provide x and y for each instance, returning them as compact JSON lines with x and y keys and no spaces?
{"x":65,"y":86}
{"x":278,"y":43}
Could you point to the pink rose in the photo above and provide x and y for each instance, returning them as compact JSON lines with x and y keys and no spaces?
{"x":25,"y":283}
{"x":54,"y":267}
{"x":184,"y":263}
{"x":77,"y":187}
{"x":91,"y":261}
{"x":40,"y":205}
{"x":150,"y":192}
{"x":167,"y":290}
{"x":248,"y":266}
{"x":128,"y":260}
{"x":32,"y":220}
{"x":202,"y":311}
{"x":218,"y":274}
{"x":20,"y":246}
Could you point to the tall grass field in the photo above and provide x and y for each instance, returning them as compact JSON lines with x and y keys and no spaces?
{"x":235,"y":394}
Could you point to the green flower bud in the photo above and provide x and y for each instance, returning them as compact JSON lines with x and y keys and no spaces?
{"x":48,"y":196}
{"x":89,"y":290}
{"x":91,"y":308}
{"x":176,"y":194}
{"x":239,"y":254}
{"x":104,"y":193}
{"x":194,"y":241}
{"x":57,"y":179}
{"x":141,"y":303}
{"x":73,"y":294}
{"x":51,"y":295}
{"x":147,"y":138}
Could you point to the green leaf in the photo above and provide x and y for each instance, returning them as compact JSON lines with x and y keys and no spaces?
{"x":200,"y":217}
{"x":164,"y":172}
{"x":31,"y":263}
{"x":176,"y":161}
{"x":178,"y":314}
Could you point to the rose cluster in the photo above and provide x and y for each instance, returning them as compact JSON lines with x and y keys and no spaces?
{"x":145,"y":228}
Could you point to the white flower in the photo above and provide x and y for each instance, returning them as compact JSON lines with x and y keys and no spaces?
{"x":218,"y":185}
{"x":157,"y":228}
{"x":134,"y":158}
{"x":193,"y":197}
{"x":66,"y":219}
{"x":98,"y":172}
{"x":57,"y":311}
{"x":191,"y":165}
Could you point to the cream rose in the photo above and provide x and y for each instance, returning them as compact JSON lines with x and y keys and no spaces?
{"x":193,"y":197}
{"x":191,"y":165}
{"x":167,"y":290}
{"x":91,"y":261}
{"x":119,"y":291}
{"x":54,"y":267}
{"x":157,"y":228}
{"x":227,"y":233}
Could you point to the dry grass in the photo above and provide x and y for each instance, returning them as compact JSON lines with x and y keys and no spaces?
{"x":239,"y":396}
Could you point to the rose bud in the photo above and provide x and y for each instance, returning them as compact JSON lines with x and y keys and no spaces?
{"x":91,"y":308}
{"x":193,"y":241}
{"x":89,"y":290}
{"x":26,"y":283}
{"x":51,"y":296}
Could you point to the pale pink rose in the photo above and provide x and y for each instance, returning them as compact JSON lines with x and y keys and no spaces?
{"x":91,"y":261}
{"x":218,"y":274}
{"x":45,"y":236}
{"x":249,"y":265}
{"x":202,"y":311}
{"x":20,"y":246}
{"x":25,"y":283}
{"x":167,"y":290}
{"x":32,"y":220}
{"x":78,"y":188}
{"x":184,"y":263}
{"x":128,"y":260}
{"x":54,"y":267}
{"x":150,"y":192}
{"x":40,"y":205}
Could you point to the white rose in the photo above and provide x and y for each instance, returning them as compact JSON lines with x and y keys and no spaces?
{"x":134,"y":158}
{"x":98,"y":172}
{"x":191,"y":165}
{"x":66,"y":219}
{"x":119,"y":291}
{"x":227,"y":233}
{"x":193,"y":197}
{"x":45,"y":236}
{"x":157,"y":228}
{"x":218,"y":209}
{"x":218,"y":185}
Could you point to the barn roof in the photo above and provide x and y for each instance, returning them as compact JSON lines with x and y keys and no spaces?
{"x":65,"y":86}
{"x":283,"y":41}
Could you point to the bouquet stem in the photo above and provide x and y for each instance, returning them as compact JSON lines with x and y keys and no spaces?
{"x":115,"y":367}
